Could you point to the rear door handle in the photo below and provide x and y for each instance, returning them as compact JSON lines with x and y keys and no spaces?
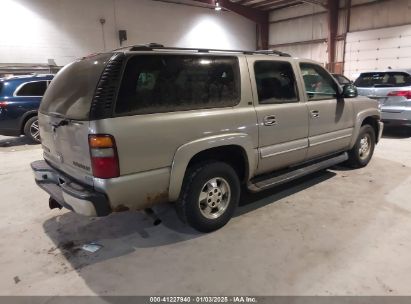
{"x":270,"y":120}
{"x":315,"y":114}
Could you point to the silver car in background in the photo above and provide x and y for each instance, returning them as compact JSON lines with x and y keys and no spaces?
{"x":392,"y":89}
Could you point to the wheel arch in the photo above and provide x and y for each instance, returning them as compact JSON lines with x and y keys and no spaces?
{"x":25,"y":118}
{"x":235,"y":149}
{"x":369,"y":116}
{"x":373,"y":122}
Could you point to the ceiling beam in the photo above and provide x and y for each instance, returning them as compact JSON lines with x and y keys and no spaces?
{"x":317,"y":2}
{"x":250,"y":13}
{"x":272,"y":4}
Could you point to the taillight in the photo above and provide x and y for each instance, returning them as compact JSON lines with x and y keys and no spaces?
{"x":104,"y":158}
{"x":406,"y":94}
{"x":3,"y":104}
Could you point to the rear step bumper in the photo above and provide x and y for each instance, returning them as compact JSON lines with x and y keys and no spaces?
{"x":69,"y":193}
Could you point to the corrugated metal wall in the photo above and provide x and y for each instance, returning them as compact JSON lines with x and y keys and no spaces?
{"x":380,"y":37}
{"x":311,"y":24}
{"x":374,"y":24}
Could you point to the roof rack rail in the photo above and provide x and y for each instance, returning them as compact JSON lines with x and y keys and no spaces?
{"x":156,"y":46}
{"x":272,"y":52}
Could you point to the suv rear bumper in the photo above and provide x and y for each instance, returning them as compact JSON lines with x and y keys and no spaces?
{"x":397,"y":122}
{"x":69,"y":193}
{"x":396,"y":116}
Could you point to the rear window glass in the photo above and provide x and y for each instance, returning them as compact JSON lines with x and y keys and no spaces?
{"x":71,"y":91}
{"x":36,"y":88}
{"x":386,"y":79}
{"x":157,"y":83}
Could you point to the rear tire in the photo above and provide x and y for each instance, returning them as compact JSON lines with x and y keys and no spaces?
{"x":209,"y":196}
{"x":363,"y":150}
{"x":31,"y":129}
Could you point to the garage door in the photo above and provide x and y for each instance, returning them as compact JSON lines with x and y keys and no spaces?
{"x":378,"y":50}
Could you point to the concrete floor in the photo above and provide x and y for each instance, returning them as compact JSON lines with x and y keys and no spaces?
{"x":338,"y":232}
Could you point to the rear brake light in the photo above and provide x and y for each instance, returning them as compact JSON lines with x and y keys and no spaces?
{"x":104,"y":158}
{"x":3,"y":104}
{"x":406,"y":94}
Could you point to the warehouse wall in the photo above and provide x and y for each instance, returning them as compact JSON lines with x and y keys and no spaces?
{"x":301,"y":23}
{"x":380,"y":37}
{"x":63,"y":30}
{"x":379,"y":34}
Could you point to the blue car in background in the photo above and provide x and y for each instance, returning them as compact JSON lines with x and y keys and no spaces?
{"x":20,"y":99}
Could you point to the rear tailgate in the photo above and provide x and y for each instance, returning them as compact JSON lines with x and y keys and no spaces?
{"x":64,"y":117}
{"x":379,"y":85}
{"x":66,"y":147}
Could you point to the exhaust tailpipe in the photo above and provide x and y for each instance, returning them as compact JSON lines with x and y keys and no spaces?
{"x":53,"y":204}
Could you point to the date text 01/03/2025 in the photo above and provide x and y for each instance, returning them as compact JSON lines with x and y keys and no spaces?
{"x":200,"y":299}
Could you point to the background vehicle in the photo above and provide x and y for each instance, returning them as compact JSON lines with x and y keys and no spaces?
{"x":149,"y":124}
{"x":341,"y":79}
{"x":20,"y":99}
{"x":392,"y":89}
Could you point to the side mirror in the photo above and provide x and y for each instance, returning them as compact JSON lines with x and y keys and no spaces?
{"x":350,"y":91}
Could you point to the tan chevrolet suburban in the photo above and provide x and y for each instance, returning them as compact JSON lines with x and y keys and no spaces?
{"x":150,"y":124}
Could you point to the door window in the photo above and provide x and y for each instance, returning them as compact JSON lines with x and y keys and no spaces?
{"x":318,"y":83}
{"x":33,"y":89}
{"x":275,"y":82}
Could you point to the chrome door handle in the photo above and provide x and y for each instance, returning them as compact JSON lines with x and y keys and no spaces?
{"x":270,"y":120}
{"x":315,"y":114}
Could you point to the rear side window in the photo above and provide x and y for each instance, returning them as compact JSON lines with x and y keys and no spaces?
{"x":36,"y":88}
{"x":157,"y":83}
{"x":275,"y":82}
{"x":388,"y":79}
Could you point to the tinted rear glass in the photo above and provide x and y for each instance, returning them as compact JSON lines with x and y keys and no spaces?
{"x":386,"y":79}
{"x":71,"y":92}
{"x":158,"y":83}
{"x":36,"y":88}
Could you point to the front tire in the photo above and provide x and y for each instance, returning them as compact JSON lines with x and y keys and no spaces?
{"x":31,"y":129}
{"x":209,"y":196}
{"x":363,"y":150}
